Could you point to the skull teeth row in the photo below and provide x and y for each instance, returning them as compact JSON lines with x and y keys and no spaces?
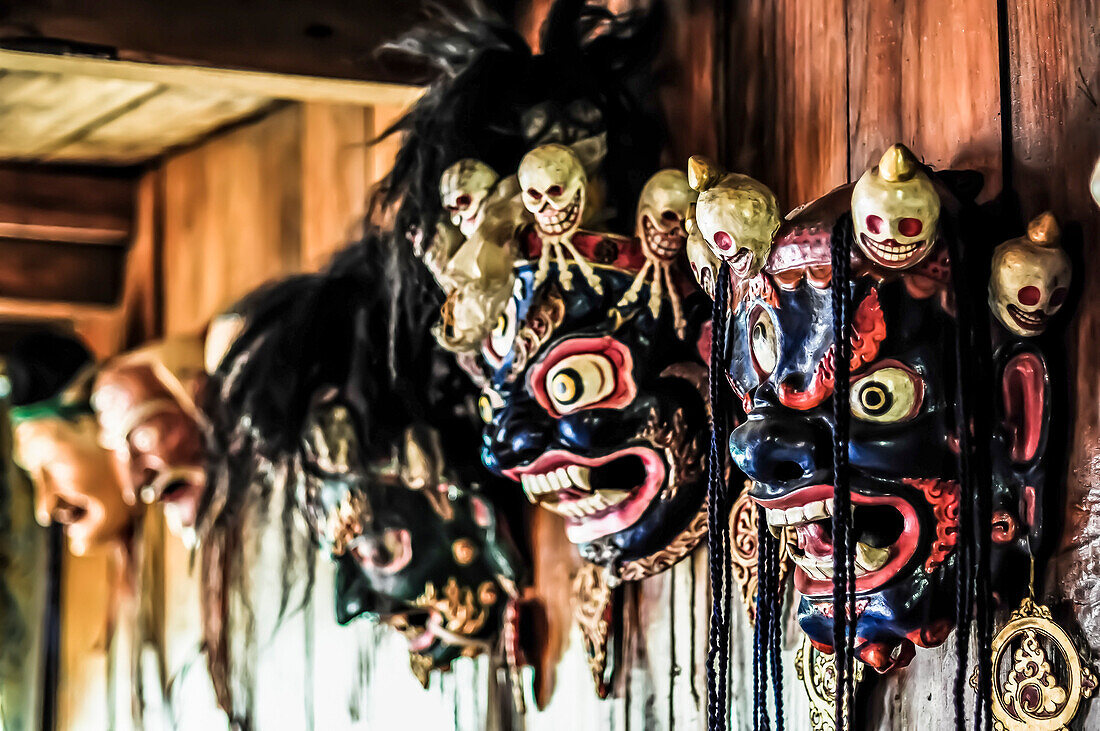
{"x":552,"y":221}
{"x":892,"y":251}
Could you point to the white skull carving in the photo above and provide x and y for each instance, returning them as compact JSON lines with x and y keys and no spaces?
{"x":736,"y":215}
{"x":463,"y":189}
{"x":552,"y":184}
{"x":704,"y":264}
{"x":1030,"y":278}
{"x":895,"y":211}
{"x":662,"y":209}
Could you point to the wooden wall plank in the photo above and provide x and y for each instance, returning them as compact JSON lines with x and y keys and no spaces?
{"x":925,"y":73}
{"x":51,"y":270}
{"x":97,"y":204}
{"x":232,"y":218}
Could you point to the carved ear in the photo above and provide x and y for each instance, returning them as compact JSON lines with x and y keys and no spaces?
{"x":1026,"y":401}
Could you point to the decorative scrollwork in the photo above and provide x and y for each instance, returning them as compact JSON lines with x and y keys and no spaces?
{"x":593,"y":612}
{"x":743,"y":549}
{"x":1032,"y":691}
{"x":817,"y":671}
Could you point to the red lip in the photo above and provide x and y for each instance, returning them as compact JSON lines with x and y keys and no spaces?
{"x":613,"y":519}
{"x":901,"y":552}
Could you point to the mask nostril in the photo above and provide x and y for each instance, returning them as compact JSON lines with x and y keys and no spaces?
{"x":788,"y":471}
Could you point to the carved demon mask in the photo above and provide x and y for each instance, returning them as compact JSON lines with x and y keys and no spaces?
{"x":56,"y":440}
{"x":413,"y":548}
{"x":593,"y":404}
{"x":145,"y":403}
{"x":903,"y":439}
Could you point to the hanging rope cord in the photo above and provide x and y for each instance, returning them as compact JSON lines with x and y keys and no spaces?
{"x":973,"y":418}
{"x":843,"y":549}
{"x":717,"y":512}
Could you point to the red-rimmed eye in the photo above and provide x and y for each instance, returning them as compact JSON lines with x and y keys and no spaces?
{"x":723,"y":241}
{"x":910,"y":227}
{"x":874,"y":224}
{"x":1029,"y":295}
{"x":890,"y":393}
{"x":463,"y":202}
{"x":583,"y":373}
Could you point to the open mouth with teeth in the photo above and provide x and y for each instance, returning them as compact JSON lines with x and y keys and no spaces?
{"x":1036,"y":320}
{"x":892,"y":253}
{"x":885,"y":528}
{"x":664,"y":245}
{"x":416,"y":627}
{"x":596,"y":496}
{"x":554,"y":221}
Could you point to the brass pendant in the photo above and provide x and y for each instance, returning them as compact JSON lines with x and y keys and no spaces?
{"x":744,"y":549}
{"x":817,"y":671}
{"x":594,"y":614}
{"x":1028,"y":694}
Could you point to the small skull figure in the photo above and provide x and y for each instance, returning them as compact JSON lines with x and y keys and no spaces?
{"x":553,"y":187}
{"x":736,"y":215}
{"x":663,"y":209}
{"x":895,"y":211}
{"x":464,"y":188}
{"x":1030,"y":278}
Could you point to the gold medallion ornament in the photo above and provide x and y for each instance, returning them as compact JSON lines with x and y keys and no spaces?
{"x":1033,"y":689}
{"x":817,"y":671}
{"x":744,"y":549}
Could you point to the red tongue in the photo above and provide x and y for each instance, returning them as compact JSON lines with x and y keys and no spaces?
{"x":814,"y":540}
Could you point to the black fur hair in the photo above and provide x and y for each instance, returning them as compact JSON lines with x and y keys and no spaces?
{"x":489,"y":79}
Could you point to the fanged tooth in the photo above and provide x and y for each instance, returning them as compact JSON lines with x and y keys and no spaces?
{"x":870,"y":558}
{"x":775,"y":530}
{"x":579,"y":476}
{"x":815,"y":511}
{"x":613,"y":497}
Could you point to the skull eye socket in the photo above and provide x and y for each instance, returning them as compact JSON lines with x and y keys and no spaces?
{"x":874,"y":224}
{"x":910,"y":227}
{"x":723,"y":241}
{"x":1058,"y":296}
{"x":1029,"y":295}
{"x":534,"y":194}
{"x":463,"y":202}
{"x":580,"y":380}
{"x":764,"y":344}
{"x":554,"y":191}
{"x":670,"y":217}
{"x":888,"y":395}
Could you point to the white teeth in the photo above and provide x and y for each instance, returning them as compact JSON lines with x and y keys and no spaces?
{"x":528,"y":489}
{"x":798,"y":515}
{"x":552,"y":480}
{"x":579,"y":476}
{"x":867,"y":559}
{"x":542,"y":489}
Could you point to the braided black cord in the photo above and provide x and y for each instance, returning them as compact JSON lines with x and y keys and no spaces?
{"x":841,"y":276}
{"x":718,"y":639}
{"x":775,"y":593}
{"x":762,"y":630}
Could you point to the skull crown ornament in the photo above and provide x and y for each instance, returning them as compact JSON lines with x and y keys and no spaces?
{"x":464,"y":189}
{"x":905,"y":484}
{"x":1030,"y":278}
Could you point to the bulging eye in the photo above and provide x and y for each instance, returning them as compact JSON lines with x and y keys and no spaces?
{"x":874,"y":224}
{"x":910,"y":227}
{"x":764,"y":344}
{"x":580,"y":380}
{"x":887,"y":395}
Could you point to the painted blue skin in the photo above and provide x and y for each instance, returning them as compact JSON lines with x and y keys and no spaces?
{"x":522,"y":430}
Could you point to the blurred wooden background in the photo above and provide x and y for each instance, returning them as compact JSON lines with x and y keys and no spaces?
{"x":802,"y":95}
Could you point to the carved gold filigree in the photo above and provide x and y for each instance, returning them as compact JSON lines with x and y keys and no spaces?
{"x":1032,"y":691}
{"x":537,"y":328}
{"x":817,"y":671}
{"x":461,"y":608}
{"x":592,"y":610}
{"x":421,"y":666}
{"x":346,"y":523}
{"x":683,"y":451}
{"x":671,"y":554}
{"x":743,"y":549}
